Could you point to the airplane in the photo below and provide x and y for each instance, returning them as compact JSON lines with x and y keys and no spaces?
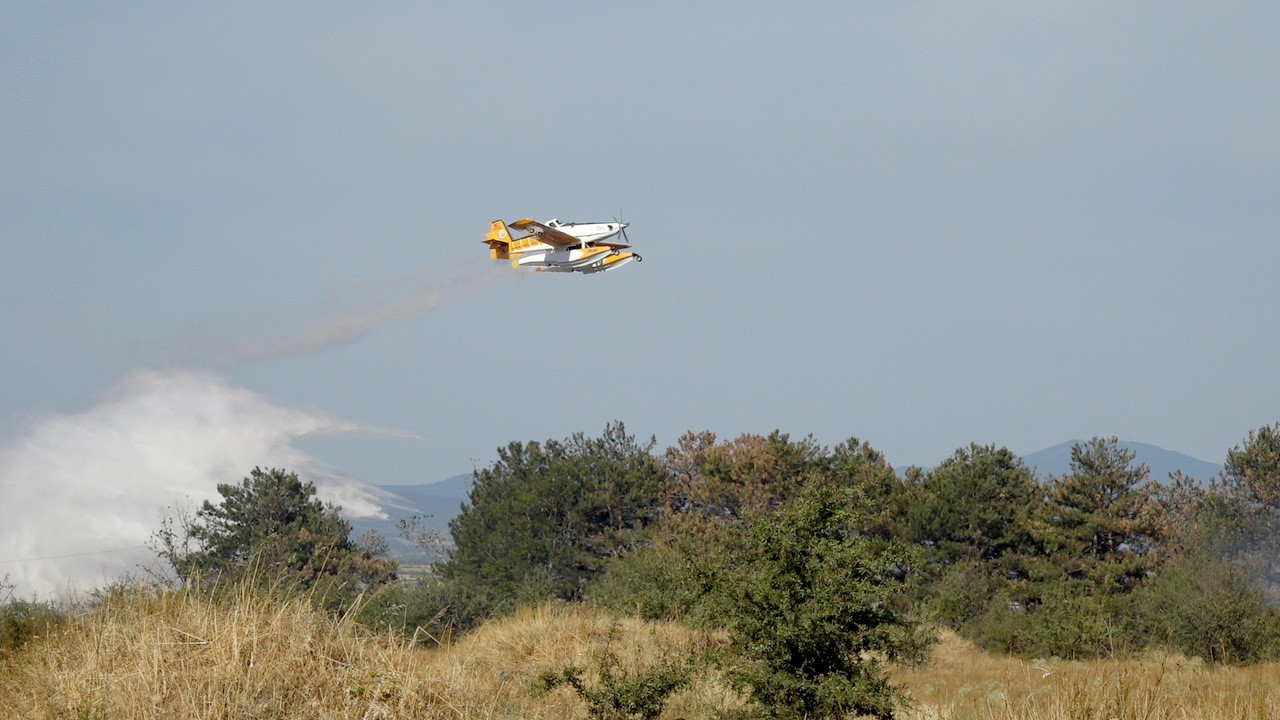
{"x":555,"y":246}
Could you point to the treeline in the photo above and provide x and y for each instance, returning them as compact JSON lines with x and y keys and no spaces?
{"x":822,"y":560}
{"x":1099,"y":561}
{"x":1102,"y":560}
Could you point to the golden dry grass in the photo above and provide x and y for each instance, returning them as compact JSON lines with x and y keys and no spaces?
{"x":963,"y":682}
{"x":180,"y":656}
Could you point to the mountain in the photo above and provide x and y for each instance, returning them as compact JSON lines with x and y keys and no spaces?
{"x":1057,"y":461}
{"x":436,"y":503}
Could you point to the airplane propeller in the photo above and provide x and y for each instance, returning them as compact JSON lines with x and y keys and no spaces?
{"x":622,"y":227}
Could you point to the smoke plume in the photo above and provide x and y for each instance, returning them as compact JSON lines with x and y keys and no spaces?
{"x":351,"y":313}
{"x":82,"y":493}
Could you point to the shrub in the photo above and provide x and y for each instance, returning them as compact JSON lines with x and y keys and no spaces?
{"x":812,"y":613}
{"x":619,"y":695}
{"x":22,"y":621}
{"x":1212,"y":609}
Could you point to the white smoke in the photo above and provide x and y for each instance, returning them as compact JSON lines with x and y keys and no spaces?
{"x":81,"y":494}
{"x":351,"y":313}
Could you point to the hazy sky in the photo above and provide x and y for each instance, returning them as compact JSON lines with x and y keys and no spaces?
{"x":920,"y":224}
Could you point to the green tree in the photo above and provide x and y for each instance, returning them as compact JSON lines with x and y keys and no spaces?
{"x":1253,"y":467}
{"x":811,"y":609}
{"x":883,"y":495}
{"x":975,"y":506}
{"x":543,"y":520}
{"x":1103,"y":518}
{"x":272,"y":525}
{"x":713,"y":490}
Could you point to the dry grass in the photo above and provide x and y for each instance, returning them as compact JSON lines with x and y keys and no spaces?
{"x":177,"y":655}
{"x":174,"y":655}
{"x":964,"y":682}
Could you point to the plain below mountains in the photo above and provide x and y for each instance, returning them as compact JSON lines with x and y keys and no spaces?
{"x":438,"y":503}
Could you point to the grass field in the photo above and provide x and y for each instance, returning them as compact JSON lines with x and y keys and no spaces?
{"x":173,"y":655}
{"x":964,"y":682}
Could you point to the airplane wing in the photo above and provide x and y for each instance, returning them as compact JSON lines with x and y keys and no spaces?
{"x":546,"y":233}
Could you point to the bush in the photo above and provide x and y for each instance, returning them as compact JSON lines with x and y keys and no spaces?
{"x":1070,"y":622}
{"x":619,"y":695}
{"x":812,"y":614}
{"x":658,"y":582}
{"x":964,"y":593}
{"x":22,"y":621}
{"x":1214,"y":610}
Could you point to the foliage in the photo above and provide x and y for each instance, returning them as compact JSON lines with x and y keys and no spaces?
{"x":1254,"y":466}
{"x":1103,"y":520}
{"x":25,"y":621}
{"x":975,"y":506}
{"x":543,"y":520}
{"x":735,"y":483}
{"x":1252,"y":479}
{"x":661,"y":581}
{"x":272,"y":526}
{"x":811,"y":612}
{"x":1212,"y":609}
{"x":619,"y":695}
{"x":1082,"y":565}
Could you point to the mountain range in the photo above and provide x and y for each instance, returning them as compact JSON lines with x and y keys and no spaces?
{"x":1056,"y":461}
{"x":435,"y":503}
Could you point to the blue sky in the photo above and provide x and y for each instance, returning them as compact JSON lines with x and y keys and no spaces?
{"x":920,"y":224}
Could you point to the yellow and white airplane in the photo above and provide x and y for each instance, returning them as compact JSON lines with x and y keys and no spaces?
{"x":556,"y":246}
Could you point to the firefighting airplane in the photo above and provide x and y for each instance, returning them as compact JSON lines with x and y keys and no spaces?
{"x":556,"y":246}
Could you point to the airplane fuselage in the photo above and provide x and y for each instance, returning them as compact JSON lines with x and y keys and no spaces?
{"x":554,"y":246}
{"x":588,"y":232}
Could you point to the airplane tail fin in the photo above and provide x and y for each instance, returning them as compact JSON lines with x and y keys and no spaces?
{"x":498,"y":240}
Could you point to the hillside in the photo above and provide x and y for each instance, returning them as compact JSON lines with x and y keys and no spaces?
{"x":181,"y":656}
{"x":178,"y":655}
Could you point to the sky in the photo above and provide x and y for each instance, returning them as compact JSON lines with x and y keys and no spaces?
{"x":243,"y":235}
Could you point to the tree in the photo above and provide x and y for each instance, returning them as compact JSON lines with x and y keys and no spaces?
{"x":1201,"y":605}
{"x":811,"y":610}
{"x":272,"y":525}
{"x":1253,"y":468}
{"x":738,"y":481}
{"x":1252,"y":488}
{"x":714,"y":490}
{"x":542,"y":520}
{"x":1103,"y":518}
{"x":972,"y":517}
{"x":975,"y":506}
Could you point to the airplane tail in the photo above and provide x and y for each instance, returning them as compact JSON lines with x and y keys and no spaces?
{"x":498,"y":240}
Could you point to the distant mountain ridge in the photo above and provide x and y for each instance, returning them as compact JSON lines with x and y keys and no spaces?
{"x":1056,"y":460}
{"x":436,"y":503}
